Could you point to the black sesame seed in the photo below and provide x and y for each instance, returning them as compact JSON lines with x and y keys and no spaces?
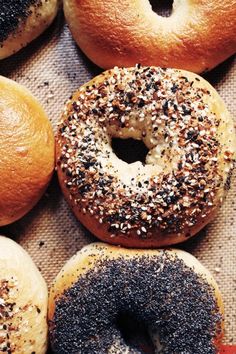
{"x":165,"y":108}
{"x":174,"y":88}
{"x":141,"y":103}
{"x":185,"y":110}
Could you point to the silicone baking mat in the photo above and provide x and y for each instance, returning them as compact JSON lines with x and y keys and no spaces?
{"x":52,"y":67}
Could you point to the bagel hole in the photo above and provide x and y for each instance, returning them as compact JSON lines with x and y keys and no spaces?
{"x":135,"y":334}
{"x":129,"y":150}
{"x":162,"y":7}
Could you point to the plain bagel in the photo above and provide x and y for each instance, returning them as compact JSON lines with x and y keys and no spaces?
{"x":197,"y":36}
{"x":23,"y":302}
{"x":191,"y":141}
{"x":22,"y":21}
{"x":169,"y":291}
{"x":26,"y":151}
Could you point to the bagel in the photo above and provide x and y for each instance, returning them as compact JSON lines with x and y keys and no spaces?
{"x":22,"y":21}
{"x":23,"y":302}
{"x":168,"y":291}
{"x":26,"y":151}
{"x":196,"y":37}
{"x":191,"y":141}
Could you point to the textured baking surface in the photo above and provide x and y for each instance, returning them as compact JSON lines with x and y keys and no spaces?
{"x":53,"y":67}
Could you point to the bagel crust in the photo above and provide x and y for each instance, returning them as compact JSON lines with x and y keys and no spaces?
{"x":197,"y":36}
{"x":168,"y":290}
{"x":26,"y":151}
{"x":191,"y":140}
{"x":22,"y":21}
{"x":23,"y":302}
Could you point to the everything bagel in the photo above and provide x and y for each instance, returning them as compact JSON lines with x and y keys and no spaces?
{"x":191,"y":141}
{"x":23,"y":302}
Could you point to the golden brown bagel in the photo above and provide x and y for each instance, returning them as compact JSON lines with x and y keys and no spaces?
{"x":23,"y":302}
{"x":191,"y":141}
{"x":169,"y":290}
{"x":26,"y":151}
{"x":22,"y":21}
{"x":196,"y":37}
